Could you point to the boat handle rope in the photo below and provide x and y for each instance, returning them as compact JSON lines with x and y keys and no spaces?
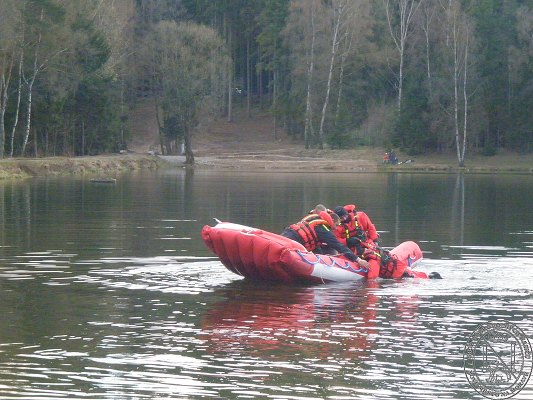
{"x":333,"y":262}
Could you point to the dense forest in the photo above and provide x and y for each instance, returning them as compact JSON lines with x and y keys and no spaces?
{"x":421,"y":75}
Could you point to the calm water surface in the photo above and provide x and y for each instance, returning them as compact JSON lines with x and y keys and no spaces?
{"x":107,"y":292}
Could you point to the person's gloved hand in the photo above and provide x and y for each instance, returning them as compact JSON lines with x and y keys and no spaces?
{"x":369,"y":244}
{"x":363,"y":263}
{"x":370,"y":254}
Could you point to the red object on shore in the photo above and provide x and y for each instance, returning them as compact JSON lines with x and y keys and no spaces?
{"x":265,"y":256}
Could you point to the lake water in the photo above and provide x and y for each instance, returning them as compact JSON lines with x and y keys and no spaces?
{"x":107,"y":291}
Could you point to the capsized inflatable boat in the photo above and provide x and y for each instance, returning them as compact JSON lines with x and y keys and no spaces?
{"x":265,"y":256}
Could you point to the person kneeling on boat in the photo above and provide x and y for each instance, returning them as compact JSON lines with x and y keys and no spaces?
{"x":315,"y":230}
{"x":356,"y":230}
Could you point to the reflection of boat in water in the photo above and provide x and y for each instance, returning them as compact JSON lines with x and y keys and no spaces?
{"x":260,"y":255}
{"x":339,"y":320}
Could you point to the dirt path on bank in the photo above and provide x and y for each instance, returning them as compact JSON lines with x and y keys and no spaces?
{"x":250,"y":144}
{"x":253,"y":143}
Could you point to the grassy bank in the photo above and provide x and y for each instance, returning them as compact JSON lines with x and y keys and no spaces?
{"x":283,"y":160}
{"x":504,"y":162}
{"x":20,"y":168}
{"x":361,"y":160}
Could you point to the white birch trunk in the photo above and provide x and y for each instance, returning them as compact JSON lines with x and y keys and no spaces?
{"x":4,"y":96}
{"x":160,"y":126}
{"x":406,"y":9}
{"x":428,"y":17}
{"x":29,"y":83}
{"x":230,"y":71}
{"x":334,"y":44}
{"x":248,"y":79}
{"x":28,"y":113}
{"x":19,"y":96}
{"x":347,"y":47}
{"x":230,"y":95}
{"x":465,"y":100}
{"x":456,"y":90}
{"x":428,"y":65}
{"x":308,"y":130}
{"x":275,"y":102}
{"x":460,"y":59}
{"x":82,"y":137}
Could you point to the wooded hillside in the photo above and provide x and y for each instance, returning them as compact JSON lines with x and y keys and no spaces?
{"x":448,"y":76}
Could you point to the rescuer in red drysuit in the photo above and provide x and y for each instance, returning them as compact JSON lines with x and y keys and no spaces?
{"x":359,"y":233}
{"x":315,"y":230}
{"x":356,"y":230}
{"x":383,"y":264}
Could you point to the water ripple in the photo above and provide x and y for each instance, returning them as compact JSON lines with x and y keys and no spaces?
{"x":185,"y":327}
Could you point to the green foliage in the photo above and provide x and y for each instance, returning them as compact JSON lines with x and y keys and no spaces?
{"x":188,"y":58}
{"x":488,"y":150}
{"x":87,"y":71}
{"x":97,"y":115}
{"x":40,"y":13}
{"x":496,"y":31}
{"x":204,"y":11}
{"x":272,"y":20}
{"x":188,"y":61}
{"x":411,"y":131}
{"x":151,"y":12}
{"x":172,"y":128}
{"x":92,"y":49}
{"x":49,"y":117}
{"x":341,"y":139}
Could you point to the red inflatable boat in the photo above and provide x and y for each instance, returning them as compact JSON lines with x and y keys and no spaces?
{"x":260,"y":255}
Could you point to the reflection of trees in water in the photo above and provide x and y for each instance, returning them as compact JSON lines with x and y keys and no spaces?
{"x":428,"y":208}
{"x":17,"y":215}
{"x":187,"y":191}
{"x":332,"y":321}
{"x":392,"y":183}
{"x":458,"y":211}
{"x":2,"y":216}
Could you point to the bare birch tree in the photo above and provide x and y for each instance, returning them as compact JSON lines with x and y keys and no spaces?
{"x":308,"y":130}
{"x":358,"y":23}
{"x":17,"y":105}
{"x":189,"y":63}
{"x":321,"y":37}
{"x":426,"y":22}
{"x":458,"y":41}
{"x":9,"y":19}
{"x":405,"y":10}
{"x":42,"y":47}
{"x":347,"y":43}
{"x":461,"y":149}
{"x":115,"y":19}
{"x":228,"y":33}
{"x":338,"y":8}
{"x":6,"y":68}
{"x":460,"y":46}
{"x":305,"y":37}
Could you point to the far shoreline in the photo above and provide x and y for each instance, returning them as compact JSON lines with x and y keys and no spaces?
{"x":92,"y":166}
{"x":308,"y":161}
